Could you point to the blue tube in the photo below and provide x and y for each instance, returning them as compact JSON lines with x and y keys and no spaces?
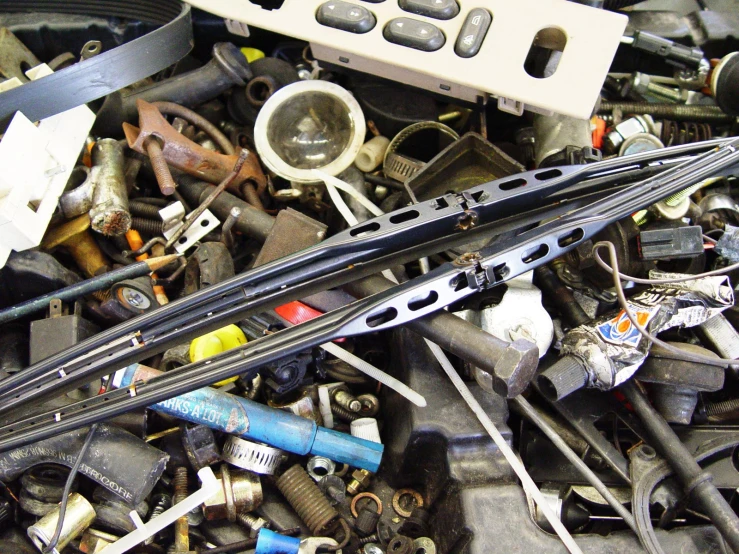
{"x":269,"y":542}
{"x":253,"y":421}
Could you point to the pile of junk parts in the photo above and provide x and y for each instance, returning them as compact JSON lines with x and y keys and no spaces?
{"x":369,"y":276}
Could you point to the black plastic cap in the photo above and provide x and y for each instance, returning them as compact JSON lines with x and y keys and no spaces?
{"x":727,"y":84}
{"x":563,"y":378}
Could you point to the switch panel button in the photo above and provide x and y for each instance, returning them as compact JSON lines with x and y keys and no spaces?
{"x":346,"y":16}
{"x":473,"y":32}
{"x":438,"y":9}
{"x":414,"y":34}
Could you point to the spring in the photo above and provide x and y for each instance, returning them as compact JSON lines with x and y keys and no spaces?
{"x":308,"y":501}
{"x":148,"y":226}
{"x":102,"y":295}
{"x":675,"y":133}
{"x":722,"y":408}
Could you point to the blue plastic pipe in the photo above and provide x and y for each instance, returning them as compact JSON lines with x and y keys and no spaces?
{"x":253,"y":421}
{"x":269,"y":542}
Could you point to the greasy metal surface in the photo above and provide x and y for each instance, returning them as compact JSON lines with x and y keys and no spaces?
{"x":465,"y":163}
{"x":186,"y":155}
{"x":292,"y":232}
{"x":15,"y":58}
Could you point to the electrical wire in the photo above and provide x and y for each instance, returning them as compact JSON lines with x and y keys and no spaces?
{"x":613,"y":269}
{"x":51,"y":547}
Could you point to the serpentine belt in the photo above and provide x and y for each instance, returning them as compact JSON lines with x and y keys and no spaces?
{"x":98,"y":76}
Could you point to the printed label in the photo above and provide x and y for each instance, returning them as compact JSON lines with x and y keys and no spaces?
{"x":619,"y":329}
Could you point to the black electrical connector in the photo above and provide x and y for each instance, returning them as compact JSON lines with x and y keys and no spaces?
{"x":674,"y":53}
{"x":671,"y":244}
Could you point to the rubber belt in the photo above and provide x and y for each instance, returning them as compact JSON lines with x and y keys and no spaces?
{"x":110,"y":71}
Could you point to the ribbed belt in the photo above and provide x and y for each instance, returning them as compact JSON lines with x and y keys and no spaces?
{"x":98,"y":76}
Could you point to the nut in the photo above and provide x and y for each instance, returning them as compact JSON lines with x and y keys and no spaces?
{"x":319,"y":466}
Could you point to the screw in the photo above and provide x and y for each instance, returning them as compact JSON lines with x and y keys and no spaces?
{"x":341,"y":413}
{"x":372,"y":538}
{"x":253,"y":523}
{"x":346,"y":400}
{"x":160,"y":167}
{"x":181,"y":526}
{"x":161,"y":503}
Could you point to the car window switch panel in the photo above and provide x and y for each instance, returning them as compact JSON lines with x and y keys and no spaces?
{"x":465,"y":49}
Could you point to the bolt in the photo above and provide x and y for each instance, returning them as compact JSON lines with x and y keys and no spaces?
{"x":148,"y":226}
{"x":372,"y":548}
{"x":160,"y":167}
{"x":253,"y":523}
{"x":181,"y":526}
{"x":346,"y":400}
{"x":677,"y":198}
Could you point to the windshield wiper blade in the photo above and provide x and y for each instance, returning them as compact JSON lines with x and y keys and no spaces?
{"x":449,"y":283}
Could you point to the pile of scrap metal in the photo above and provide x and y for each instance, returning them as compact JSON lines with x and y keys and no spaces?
{"x":258,"y":297}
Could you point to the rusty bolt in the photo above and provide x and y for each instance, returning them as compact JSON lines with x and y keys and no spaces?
{"x":160,"y":167}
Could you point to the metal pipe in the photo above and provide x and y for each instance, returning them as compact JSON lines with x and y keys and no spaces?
{"x":533,"y":415}
{"x":78,"y":290}
{"x":561,"y":296}
{"x":513,"y":364}
{"x":696,"y":481}
{"x":109,"y":214}
{"x":251,"y":221}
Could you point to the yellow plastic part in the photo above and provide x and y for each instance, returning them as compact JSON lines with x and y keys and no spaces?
{"x":217,"y":341}
{"x":252,"y":54}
